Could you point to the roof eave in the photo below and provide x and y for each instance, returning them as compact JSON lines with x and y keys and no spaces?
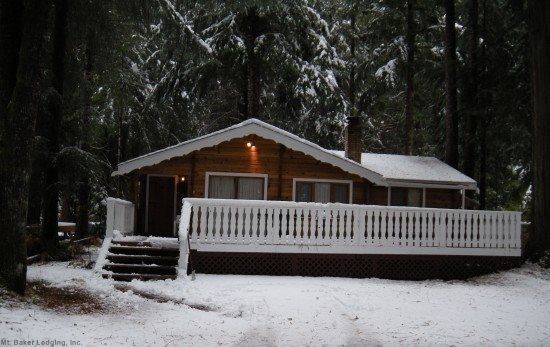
{"x":432,"y":184}
{"x":244,"y":129}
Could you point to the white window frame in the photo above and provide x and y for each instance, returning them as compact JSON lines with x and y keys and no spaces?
{"x":322,"y":180}
{"x":233,"y":174}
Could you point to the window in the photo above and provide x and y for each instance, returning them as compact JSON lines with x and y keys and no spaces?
{"x":323,"y":191}
{"x":406,"y":197}
{"x":222,"y":185}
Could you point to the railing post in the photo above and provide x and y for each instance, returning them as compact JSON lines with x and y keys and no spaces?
{"x":110,"y":218}
{"x":183,"y":234}
{"x":359,"y":232}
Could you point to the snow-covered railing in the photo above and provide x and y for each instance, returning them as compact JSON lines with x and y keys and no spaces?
{"x":120,"y":217}
{"x":290,"y":227}
{"x":183,"y":234}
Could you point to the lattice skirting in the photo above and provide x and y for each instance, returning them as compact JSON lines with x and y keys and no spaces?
{"x":405,"y":267}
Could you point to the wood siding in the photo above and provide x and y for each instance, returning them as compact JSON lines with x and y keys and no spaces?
{"x":281,"y":164}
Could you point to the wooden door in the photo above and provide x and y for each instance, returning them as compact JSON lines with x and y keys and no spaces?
{"x":160,"y":206}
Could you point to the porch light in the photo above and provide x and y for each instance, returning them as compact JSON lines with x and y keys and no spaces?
{"x":249,"y":144}
{"x":182,"y":179}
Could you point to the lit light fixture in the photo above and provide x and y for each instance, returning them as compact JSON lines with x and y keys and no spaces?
{"x":182,"y":179}
{"x":249,"y":144}
{"x":253,"y":147}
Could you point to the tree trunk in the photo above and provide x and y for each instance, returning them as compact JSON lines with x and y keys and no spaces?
{"x":83,"y":194}
{"x":15,"y":146}
{"x":83,"y":208}
{"x":10,"y":40}
{"x":409,"y":102}
{"x":250,"y":28}
{"x":253,"y":88}
{"x":123,"y":134}
{"x":352,"y":88}
{"x":451,"y":113}
{"x":471,"y":92}
{"x":36,"y":184}
{"x":484,"y":105}
{"x":539,"y":39}
{"x":51,"y":177}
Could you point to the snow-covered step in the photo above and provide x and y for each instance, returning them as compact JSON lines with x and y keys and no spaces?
{"x":143,"y":250}
{"x":142,"y":259}
{"x":142,"y":277}
{"x":141,"y":269}
{"x":132,"y":243}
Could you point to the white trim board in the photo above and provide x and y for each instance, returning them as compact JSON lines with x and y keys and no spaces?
{"x":354,"y":249}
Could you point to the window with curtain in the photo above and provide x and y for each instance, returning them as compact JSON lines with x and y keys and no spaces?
{"x":323,"y":192}
{"x":235,"y":187}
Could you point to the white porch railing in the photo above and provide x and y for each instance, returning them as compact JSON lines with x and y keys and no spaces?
{"x":287,"y":227}
{"x":120,"y":217}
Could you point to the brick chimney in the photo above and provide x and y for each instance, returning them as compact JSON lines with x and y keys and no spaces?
{"x":352,"y":139}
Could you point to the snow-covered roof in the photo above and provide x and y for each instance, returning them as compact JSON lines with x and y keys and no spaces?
{"x":380,"y":169}
{"x":407,"y":168}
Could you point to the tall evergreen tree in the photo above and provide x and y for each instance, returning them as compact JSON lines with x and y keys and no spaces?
{"x":53,"y":128}
{"x":471,"y":91}
{"x":451,"y":108}
{"x":15,"y":145}
{"x":539,"y":30}
{"x":409,"y":99}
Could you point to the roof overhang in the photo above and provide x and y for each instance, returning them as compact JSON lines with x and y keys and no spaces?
{"x":251,"y":127}
{"x":431,"y":184}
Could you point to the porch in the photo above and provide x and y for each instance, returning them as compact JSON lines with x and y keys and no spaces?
{"x":277,"y":237}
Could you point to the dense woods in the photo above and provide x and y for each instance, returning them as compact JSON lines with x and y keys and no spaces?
{"x":466,"y":81}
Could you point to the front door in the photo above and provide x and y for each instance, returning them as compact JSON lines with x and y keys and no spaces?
{"x":160,"y":206}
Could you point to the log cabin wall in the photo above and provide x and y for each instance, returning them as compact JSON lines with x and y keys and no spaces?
{"x":281,"y":165}
{"x":443,"y":198}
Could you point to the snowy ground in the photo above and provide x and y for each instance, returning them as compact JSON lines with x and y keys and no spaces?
{"x":510,"y":308}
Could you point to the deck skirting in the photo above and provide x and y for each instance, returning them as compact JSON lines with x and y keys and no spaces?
{"x":388,"y":266}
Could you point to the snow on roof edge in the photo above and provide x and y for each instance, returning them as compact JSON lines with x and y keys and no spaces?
{"x":414,"y":169}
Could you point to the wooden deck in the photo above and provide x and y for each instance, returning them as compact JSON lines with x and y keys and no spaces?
{"x":246,"y":236}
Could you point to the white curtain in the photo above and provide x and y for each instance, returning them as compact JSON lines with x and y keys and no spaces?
{"x":221,"y":187}
{"x":322,"y":192}
{"x":250,"y":188}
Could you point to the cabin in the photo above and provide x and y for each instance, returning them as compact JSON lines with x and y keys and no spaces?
{"x":256,"y":199}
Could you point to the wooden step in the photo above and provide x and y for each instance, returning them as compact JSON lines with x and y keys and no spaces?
{"x":142,"y":277}
{"x":169,"y":243}
{"x":132,"y":243}
{"x":142,"y":259}
{"x":140,"y":269}
{"x":136,"y":250}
